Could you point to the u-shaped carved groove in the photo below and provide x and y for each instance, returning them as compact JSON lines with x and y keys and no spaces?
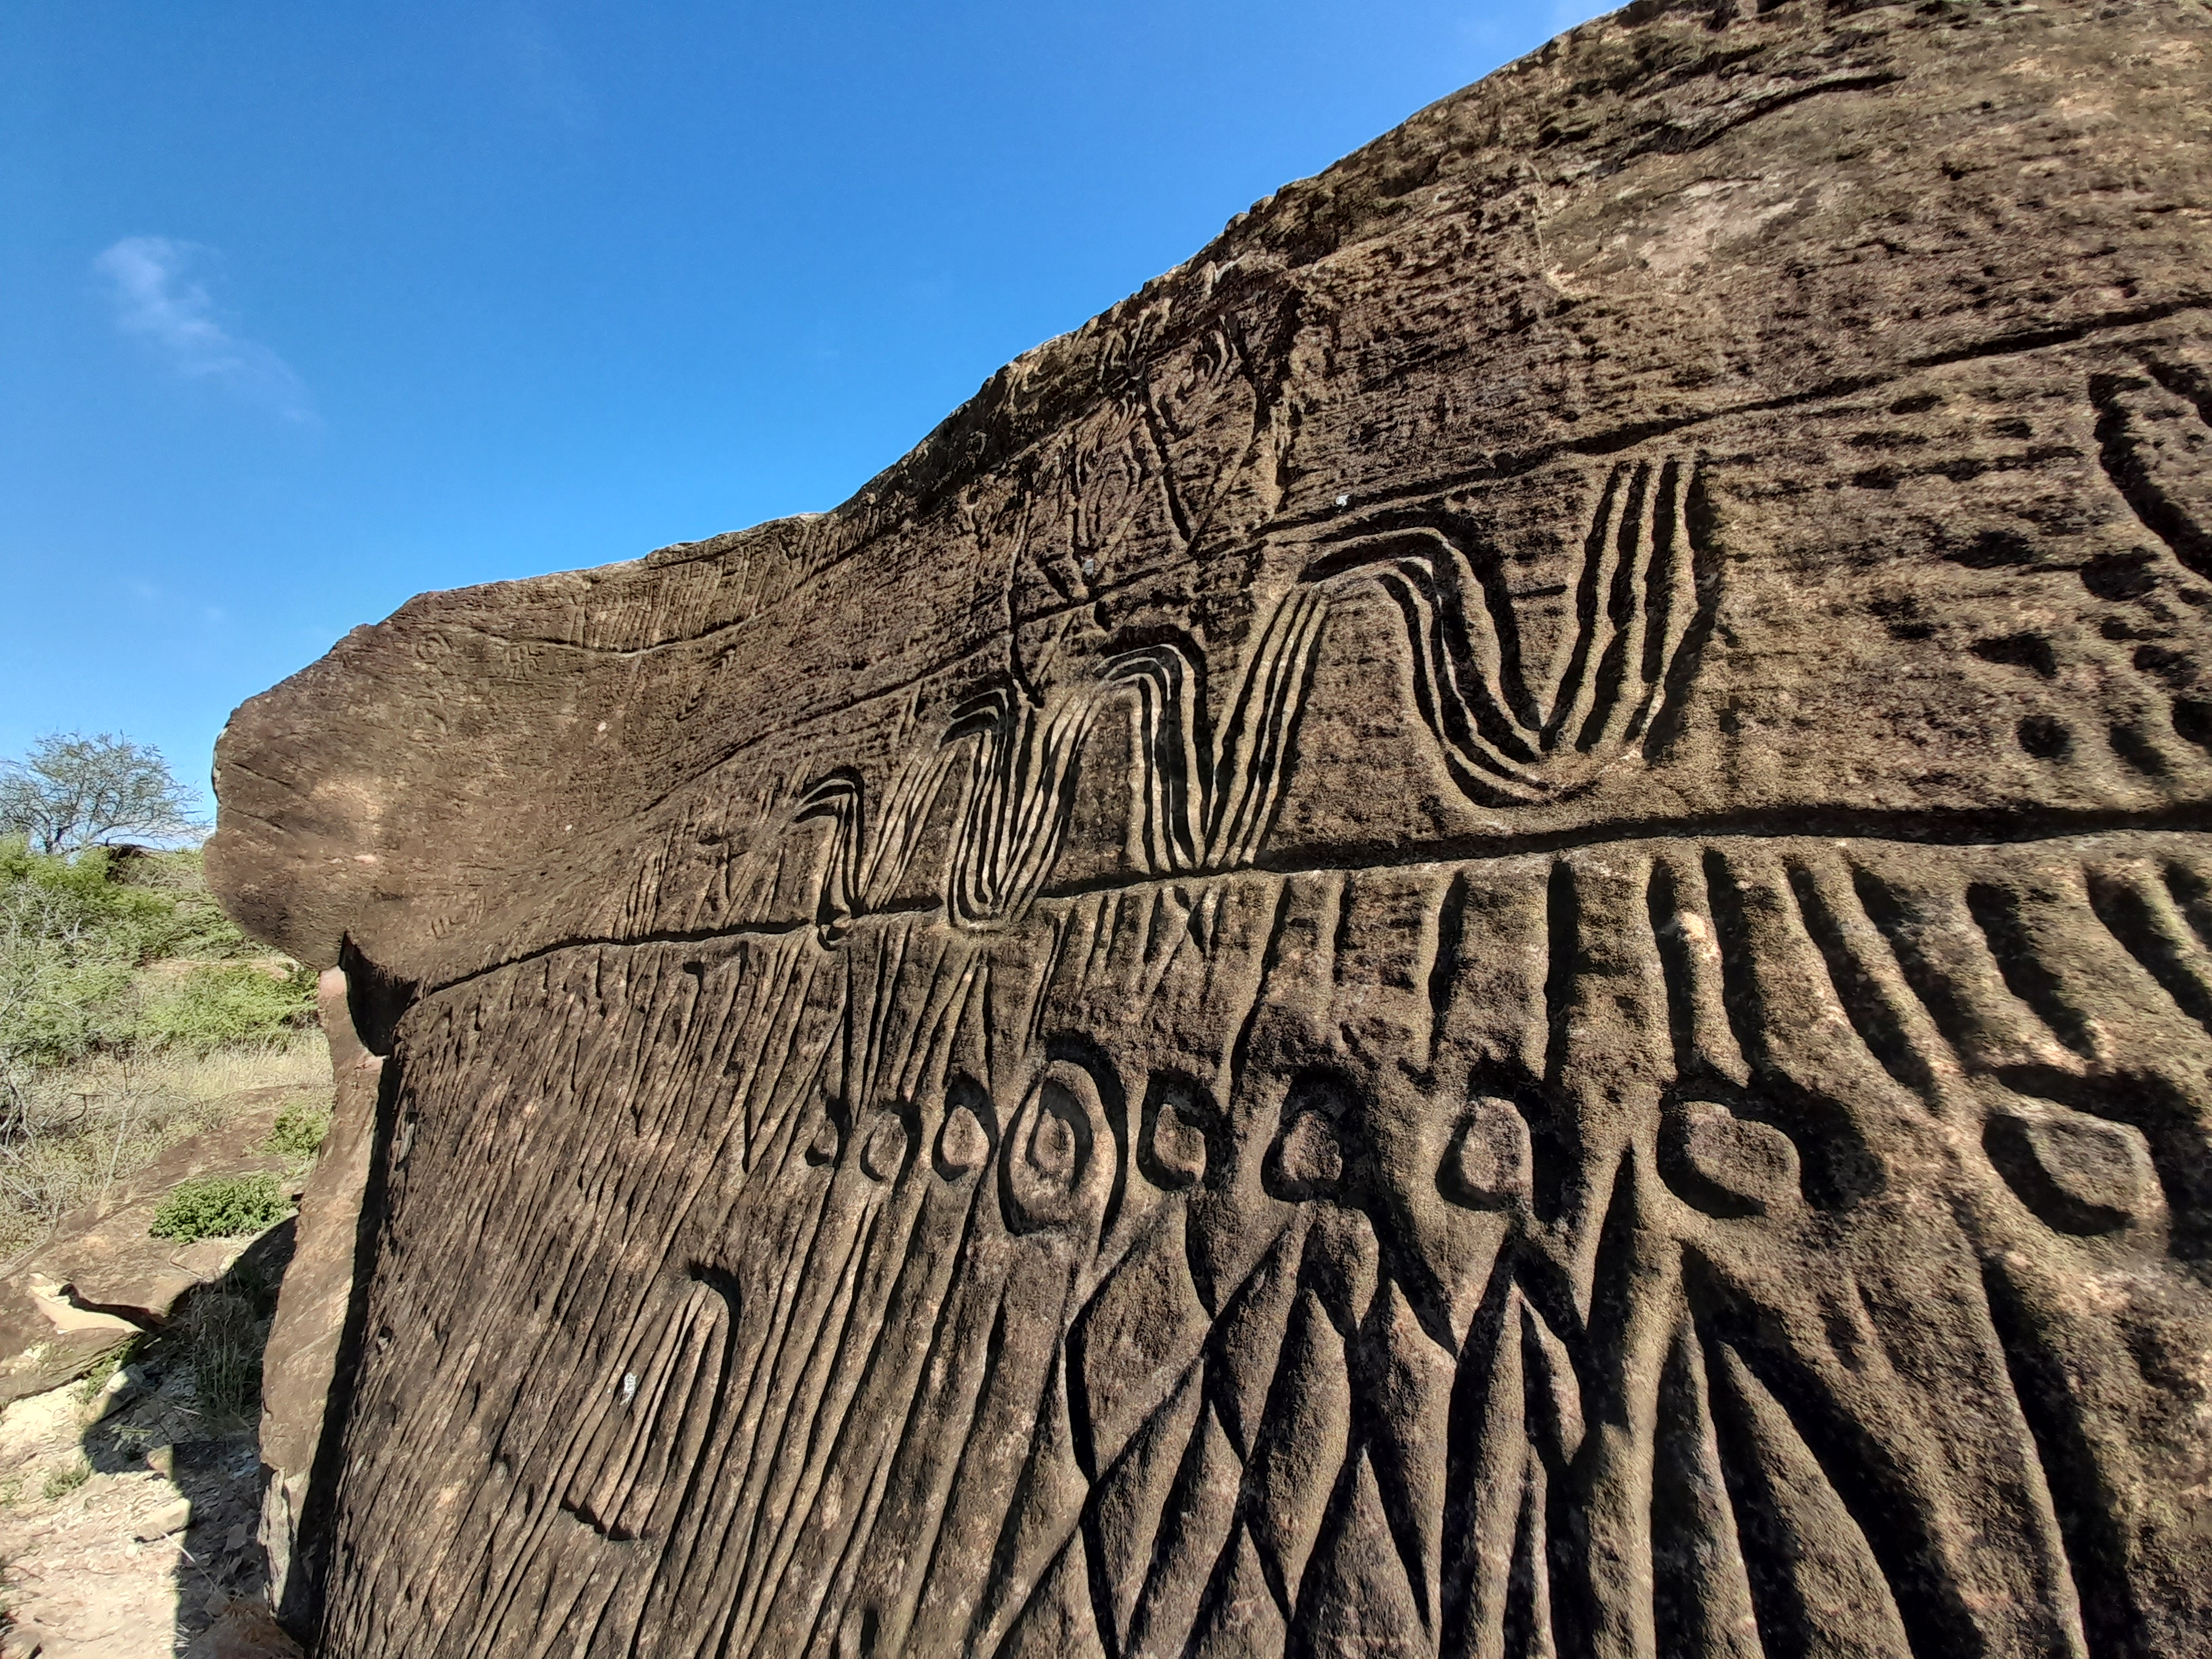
{"x":1637,"y":603}
{"x":1209,"y":793}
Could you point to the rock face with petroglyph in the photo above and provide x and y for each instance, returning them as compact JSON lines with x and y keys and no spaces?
{"x":1488,"y":930}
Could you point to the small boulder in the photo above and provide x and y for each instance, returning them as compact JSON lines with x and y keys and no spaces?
{"x":44,"y":1341}
{"x":171,"y":1518}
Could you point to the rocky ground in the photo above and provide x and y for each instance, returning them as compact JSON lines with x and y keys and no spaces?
{"x":130,"y":1497}
{"x":124,"y":1536}
{"x":128,"y":1519}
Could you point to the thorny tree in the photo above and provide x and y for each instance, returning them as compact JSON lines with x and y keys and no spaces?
{"x":73,"y":791}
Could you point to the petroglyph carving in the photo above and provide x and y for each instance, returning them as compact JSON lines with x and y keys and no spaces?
{"x":2155,"y":438}
{"x":1486,"y":932}
{"x":1643,"y":593}
{"x":1209,"y":789}
{"x":863,"y":870}
{"x":640,"y":1444}
{"x":1208,"y":785}
{"x":1309,"y":1381}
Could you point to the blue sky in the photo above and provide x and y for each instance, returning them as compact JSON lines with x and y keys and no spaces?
{"x":304,"y":309}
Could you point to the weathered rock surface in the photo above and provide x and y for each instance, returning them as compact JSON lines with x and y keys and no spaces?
{"x":46,"y":1339}
{"x":102,"y":1278}
{"x":106,"y":1253}
{"x":1486,"y":930}
{"x":309,"y":1354}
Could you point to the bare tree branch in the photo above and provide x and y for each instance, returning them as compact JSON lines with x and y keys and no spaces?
{"x":72,"y":791}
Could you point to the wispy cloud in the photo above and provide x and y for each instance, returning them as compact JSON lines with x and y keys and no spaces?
{"x":158,"y":297}
{"x":544,"y":75}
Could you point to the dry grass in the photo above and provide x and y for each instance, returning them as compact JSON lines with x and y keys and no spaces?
{"x":66,"y":1478}
{"x":302,"y":1063}
{"x":105,"y":1118}
{"x":227,"y":1336}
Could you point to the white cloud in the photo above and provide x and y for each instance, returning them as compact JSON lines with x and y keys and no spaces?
{"x":158,"y":299}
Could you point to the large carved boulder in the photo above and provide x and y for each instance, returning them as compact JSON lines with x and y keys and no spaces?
{"x":1486,"y":930}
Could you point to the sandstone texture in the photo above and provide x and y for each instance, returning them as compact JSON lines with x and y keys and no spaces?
{"x":1486,"y":930}
{"x":309,"y":1364}
{"x":46,"y":1339}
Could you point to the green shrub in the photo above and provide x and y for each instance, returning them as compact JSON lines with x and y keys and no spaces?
{"x":66,"y":1478}
{"x":75,"y":932}
{"x":219,"y":1004}
{"x":220,"y":1206}
{"x":299,"y":1130}
{"x":70,"y":941}
{"x":58,"y":1002}
{"x":99,"y":893}
{"x":196,"y":925}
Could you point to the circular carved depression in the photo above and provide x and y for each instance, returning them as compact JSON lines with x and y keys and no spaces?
{"x":1312,"y":1156}
{"x":1488,"y":1166}
{"x":1054,"y":1175}
{"x":1178,"y":1147}
{"x":2081,"y":1175}
{"x":1173,"y":1154}
{"x":963,"y":1144}
{"x":827,"y":1141}
{"x":1306,"y":1160}
{"x":883,"y":1154}
{"x":1728,"y":1165}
